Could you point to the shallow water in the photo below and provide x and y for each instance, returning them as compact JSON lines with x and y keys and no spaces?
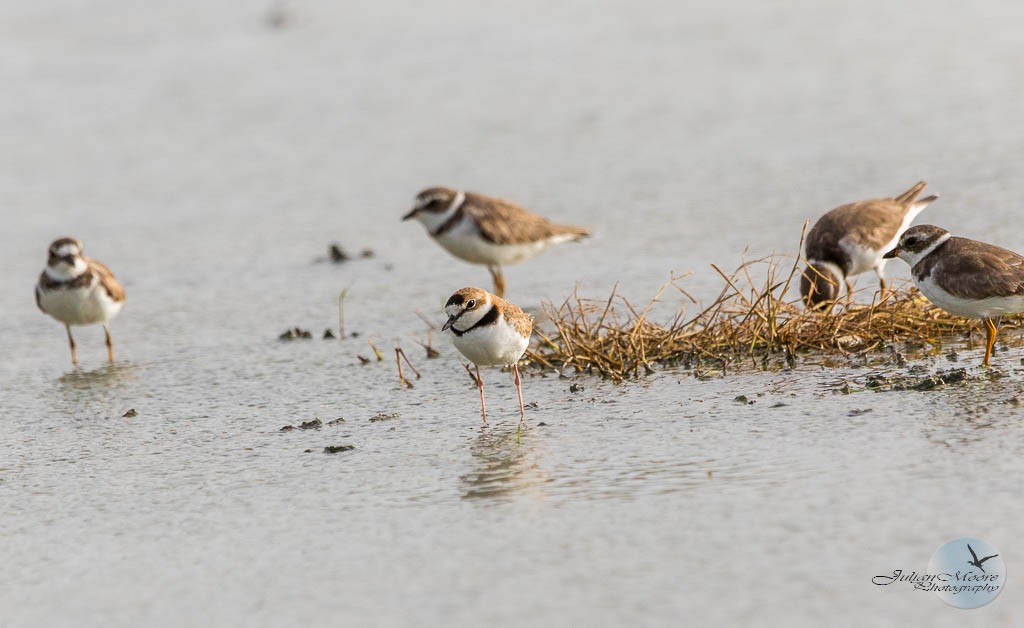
{"x":209,"y":159}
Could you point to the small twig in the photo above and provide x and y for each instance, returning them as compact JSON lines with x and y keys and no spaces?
{"x":430,"y":324}
{"x":406,"y":358}
{"x":376,"y":351}
{"x":399,"y":355}
{"x":341,"y":312}
{"x":431,"y":351}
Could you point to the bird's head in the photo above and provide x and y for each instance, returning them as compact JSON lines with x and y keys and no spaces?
{"x":433,"y":206}
{"x":819,"y":285}
{"x":465,"y":308}
{"x":65,"y":259}
{"x":917,"y":242}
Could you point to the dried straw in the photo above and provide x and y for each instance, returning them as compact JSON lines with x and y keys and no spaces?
{"x":751,"y":322}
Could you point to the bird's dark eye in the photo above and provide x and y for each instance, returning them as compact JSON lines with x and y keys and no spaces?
{"x":912,"y":241}
{"x":470,"y":304}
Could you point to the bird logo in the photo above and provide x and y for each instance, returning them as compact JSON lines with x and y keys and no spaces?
{"x":977,"y":562}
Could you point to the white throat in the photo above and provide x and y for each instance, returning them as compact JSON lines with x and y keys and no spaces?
{"x":66,"y":272}
{"x":433,"y":220}
{"x":913,"y":258}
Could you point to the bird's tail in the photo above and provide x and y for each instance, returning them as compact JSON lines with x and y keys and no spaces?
{"x":910,"y":196}
{"x":569,"y":232}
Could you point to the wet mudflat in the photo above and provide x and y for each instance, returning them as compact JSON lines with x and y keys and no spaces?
{"x":210,"y":160}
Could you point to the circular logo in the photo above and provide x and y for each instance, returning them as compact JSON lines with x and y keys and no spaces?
{"x":967,"y":572}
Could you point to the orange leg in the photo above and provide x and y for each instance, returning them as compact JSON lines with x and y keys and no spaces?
{"x":110,"y":345}
{"x":71,"y":343}
{"x":480,"y":385}
{"x":499,"y":280}
{"x":990,"y":342}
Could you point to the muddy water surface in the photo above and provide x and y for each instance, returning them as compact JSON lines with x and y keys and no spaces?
{"x":209,"y":159}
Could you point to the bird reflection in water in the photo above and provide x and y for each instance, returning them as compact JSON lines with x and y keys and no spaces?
{"x":79,"y":389}
{"x":503,"y":467}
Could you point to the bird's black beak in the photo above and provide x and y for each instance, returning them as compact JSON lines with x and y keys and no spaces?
{"x":448,"y":323}
{"x":893,"y":253}
{"x":411,"y":214}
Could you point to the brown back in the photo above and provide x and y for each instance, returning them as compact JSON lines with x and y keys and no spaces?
{"x":504,"y":222}
{"x":870,"y":224}
{"x":514,"y":314}
{"x":973,"y":270}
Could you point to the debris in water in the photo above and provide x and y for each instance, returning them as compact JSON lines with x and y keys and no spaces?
{"x":130,"y":413}
{"x":328,"y":334}
{"x":384,"y":417}
{"x":363,"y":360}
{"x":295,"y":333}
{"x":335,"y":449}
{"x":744,"y":400}
{"x":878,"y":381}
{"x":337,"y":254}
{"x":337,"y":421}
{"x":314,"y":424}
{"x":575,"y":388}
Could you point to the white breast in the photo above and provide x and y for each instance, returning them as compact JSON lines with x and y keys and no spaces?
{"x":862,"y":258}
{"x":80,"y":306}
{"x":992,"y":307}
{"x":492,"y":345}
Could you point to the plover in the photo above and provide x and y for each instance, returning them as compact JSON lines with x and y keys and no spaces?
{"x":489,"y":331}
{"x":485,"y":230}
{"x":851,"y":239}
{"x":78,"y":290}
{"x":964,"y":277}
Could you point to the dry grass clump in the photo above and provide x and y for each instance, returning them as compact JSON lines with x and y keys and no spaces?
{"x":750,"y":322}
